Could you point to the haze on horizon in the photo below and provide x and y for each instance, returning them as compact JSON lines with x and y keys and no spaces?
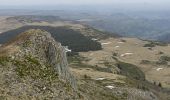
{"x":162,"y":4}
{"x":75,"y":2}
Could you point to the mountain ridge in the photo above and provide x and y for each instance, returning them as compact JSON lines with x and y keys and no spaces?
{"x":38,"y":66}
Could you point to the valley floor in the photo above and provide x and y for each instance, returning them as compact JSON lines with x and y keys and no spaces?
{"x":132,"y":51}
{"x":101,"y":68}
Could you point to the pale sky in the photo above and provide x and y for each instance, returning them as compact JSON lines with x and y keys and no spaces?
{"x":77,"y":2}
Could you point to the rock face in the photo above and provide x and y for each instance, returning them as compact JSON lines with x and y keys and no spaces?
{"x":59,"y":61}
{"x":46,"y":48}
{"x":37,"y":68}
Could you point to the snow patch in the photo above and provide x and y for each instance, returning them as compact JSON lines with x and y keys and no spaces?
{"x":110,"y":87}
{"x":117,"y":46}
{"x":125,"y":54}
{"x":105,"y":43}
{"x":67,"y":50}
{"x":158,"y":69}
{"x":100,"y":79}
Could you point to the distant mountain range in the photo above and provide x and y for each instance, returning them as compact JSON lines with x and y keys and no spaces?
{"x":164,"y":38}
{"x":149,"y":25}
{"x":151,"y":29}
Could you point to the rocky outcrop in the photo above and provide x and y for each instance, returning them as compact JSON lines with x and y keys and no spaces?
{"x":40,"y":44}
{"x":37,"y":68}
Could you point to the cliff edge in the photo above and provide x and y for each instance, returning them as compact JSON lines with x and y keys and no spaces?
{"x":34,"y":66}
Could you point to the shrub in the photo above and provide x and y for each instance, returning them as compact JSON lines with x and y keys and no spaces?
{"x":153,"y":44}
{"x":86,"y":77}
{"x":131,"y":71}
{"x":115,"y":54}
{"x":162,"y":62}
{"x":145,"y":62}
{"x":160,"y":85}
{"x":149,"y":45}
{"x":143,"y":87}
{"x":165,"y":58}
{"x":4,"y":60}
{"x":161,"y":53}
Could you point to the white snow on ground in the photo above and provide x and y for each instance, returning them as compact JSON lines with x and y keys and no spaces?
{"x":67,"y":50}
{"x":105,"y":43}
{"x":94,"y":39}
{"x":158,"y":69}
{"x":110,"y":87}
{"x":125,"y":54}
{"x":99,"y":79}
{"x":117,"y":46}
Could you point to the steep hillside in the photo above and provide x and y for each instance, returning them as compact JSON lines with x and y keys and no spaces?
{"x":34,"y":66}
